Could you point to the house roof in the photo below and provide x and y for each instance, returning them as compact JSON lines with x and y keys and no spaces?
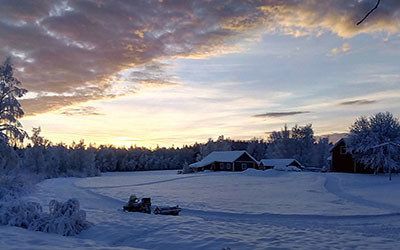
{"x":344,"y":139}
{"x":278,"y":162}
{"x":220,"y":156}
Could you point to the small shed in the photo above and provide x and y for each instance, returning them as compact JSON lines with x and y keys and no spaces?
{"x":281,"y":164}
{"x":225,"y":161}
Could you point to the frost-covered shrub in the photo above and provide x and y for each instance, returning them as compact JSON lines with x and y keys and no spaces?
{"x":64,"y":218}
{"x":19,"y":213}
{"x":14,"y":184}
{"x":8,"y":189}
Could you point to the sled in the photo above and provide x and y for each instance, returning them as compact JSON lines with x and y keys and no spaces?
{"x":167,"y":210}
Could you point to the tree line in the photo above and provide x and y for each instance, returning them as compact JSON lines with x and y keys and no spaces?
{"x":44,"y":158}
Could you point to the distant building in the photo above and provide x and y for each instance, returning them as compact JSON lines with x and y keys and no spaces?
{"x":225,"y":161}
{"x":343,"y":161}
{"x":281,"y":164}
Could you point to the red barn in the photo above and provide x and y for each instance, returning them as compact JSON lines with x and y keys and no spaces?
{"x":343,"y":161}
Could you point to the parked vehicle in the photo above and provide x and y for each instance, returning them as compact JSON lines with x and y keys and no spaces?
{"x":167,"y":210}
{"x":133,"y":205}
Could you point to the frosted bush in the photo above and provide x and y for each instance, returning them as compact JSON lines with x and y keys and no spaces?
{"x":19,"y":213}
{"x":64,"y":218}
{"x":7,"y":190}
{"x":13,"y":185}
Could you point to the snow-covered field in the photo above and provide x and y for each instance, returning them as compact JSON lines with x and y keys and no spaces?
{"x":249,"y":210}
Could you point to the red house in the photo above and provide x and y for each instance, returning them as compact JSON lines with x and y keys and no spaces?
{"x":225,"y":161}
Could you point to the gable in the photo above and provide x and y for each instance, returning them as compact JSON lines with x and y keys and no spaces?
{"x":223,"y":156}
{"x":295,"y":163}
{"x":280,"y":163}
{"x":245,"y":157}
{"x":338,"y":144}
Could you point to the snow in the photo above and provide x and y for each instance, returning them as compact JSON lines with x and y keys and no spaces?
{"x":220,"y":156}
{"x":287,"y":168}
{"x":242,"y":210}
{"x":281,"y":164}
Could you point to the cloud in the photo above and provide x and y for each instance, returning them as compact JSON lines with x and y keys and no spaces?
{"x":43,"y":104}
{"x":337,"y":16}
{"x":344,"y":49}
{"x":357,"y":102}
{"x":281,"y":114}
{"x":79,"y":47}
{"x":84,"y":111}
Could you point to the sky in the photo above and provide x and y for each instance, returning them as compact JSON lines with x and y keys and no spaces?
{"x":166,"y":73}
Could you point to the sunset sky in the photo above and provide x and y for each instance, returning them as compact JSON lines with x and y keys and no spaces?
{"x":176,"y":72}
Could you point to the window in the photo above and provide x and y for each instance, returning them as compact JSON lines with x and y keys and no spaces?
{"x":244,"y":166}
{"x":228,"y":166}
{"x":222,"y":166}
{"x":343,"y":150}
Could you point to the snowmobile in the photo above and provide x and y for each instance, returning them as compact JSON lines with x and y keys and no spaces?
{"x":133,"y":205}
{"x":167,"y":210}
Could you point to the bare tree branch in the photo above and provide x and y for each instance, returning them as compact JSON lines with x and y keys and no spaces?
{"x":369,"y":12}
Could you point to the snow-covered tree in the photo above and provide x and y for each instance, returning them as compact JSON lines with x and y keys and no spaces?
{"x":221,"y":144}
{"x":280,"y":145}
{"x":10,"y":108}
{"x":296,"y":143}
{"x":186,"y":169}
{"x":256,"y":148}
{"x":82,"y":161}
{"x":9,"y":159}
{"x":303,"y":143}
{"x":321,"y":153}
{"x":375,"y":142}
{"x":14,"y":184}
{"x":34,"y":159}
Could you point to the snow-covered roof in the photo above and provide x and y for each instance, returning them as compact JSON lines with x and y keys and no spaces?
{"x":280,"y":163}
{"x":344,"y":139}
{"x":220,"y":156}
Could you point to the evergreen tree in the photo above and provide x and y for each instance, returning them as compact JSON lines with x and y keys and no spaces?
{"x":10,"y":108}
